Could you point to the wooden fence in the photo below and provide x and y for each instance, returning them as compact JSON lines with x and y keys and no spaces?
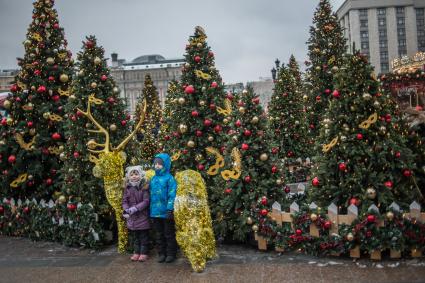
{"x":337,"y":219}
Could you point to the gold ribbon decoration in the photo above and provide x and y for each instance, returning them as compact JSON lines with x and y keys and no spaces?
{"x":202,"y":75}
{"x":219,"y":161}
{"x":37,"y":37}
{"x":367,"y":123}
{"x":236,"y":172}
{"x":95,"y":100}
{"x":55,"y":117}
{"x":54,"y":150}
{"x":21,"y":178}
{"x":64,"y":92}
{"x":227,"y":108}
{"x":330,"y":145}
{"x":20,"y":140}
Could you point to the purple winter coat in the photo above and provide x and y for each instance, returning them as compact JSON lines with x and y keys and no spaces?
{"x":138,"y":198}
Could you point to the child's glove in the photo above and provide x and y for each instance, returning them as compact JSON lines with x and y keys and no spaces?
{"x":126,"y":216}
{"x":132,"y":210}
{"x":170,"y":214}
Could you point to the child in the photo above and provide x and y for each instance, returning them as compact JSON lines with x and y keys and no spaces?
{"x":163,"y":192}
{"x":136,"y":210}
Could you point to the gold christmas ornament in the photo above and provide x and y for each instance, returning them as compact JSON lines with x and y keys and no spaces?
{"x":371,"y":193}
{"x":242,"y":109}
{"x":367,"y":96}
{"x":97,"y":60}
{"x":390,"y":215}
{"x":50,"y":61}
{"x":210,"y":138}
{"x":245,"y":91}
{"x":9,"y":121}
{"x":93,"y":85}
{"x":264,"y":157}
{"x":187,"y":65}
{"x":7,"y":104}
{"x":350,"y":237}
{"x":62,"y":199}
{"x":235,"y":139}
{"x":30,"y":177}
{"x":343,"y":138}
{"x":181,"y":100}
{"x":278,"y":182}
{"x":72,"y":97}
{"x":254,"y":228}
{"x":91,"y":144}
{"x":225,"y":121}
{"x":113,"y":127}
{"x":199,"y":157}
{"x":202,"y":103}
{"x":255,"y":120}
{"x":32,"y":132}
{"x":115,"y":90}
{"x":183,"y":128}
{"x":249,"y":221}
{"x":62,"y":156}
{"x":64,"y":78}
{"x":313,"y":217}
{"x":191,"y":144}
{"x":61,"y":148}
{"x":305,"y":97}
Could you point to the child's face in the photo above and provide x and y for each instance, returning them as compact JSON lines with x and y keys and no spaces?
{"x":158,"y":166}
{"x":134,"y":176}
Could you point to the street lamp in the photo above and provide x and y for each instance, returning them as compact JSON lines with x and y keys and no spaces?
{"x":274,"y":74}
{"x":277,"y":62}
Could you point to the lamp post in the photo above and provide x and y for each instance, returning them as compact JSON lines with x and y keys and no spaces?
{"x":277,"y":62}
{"x":274,"y":74}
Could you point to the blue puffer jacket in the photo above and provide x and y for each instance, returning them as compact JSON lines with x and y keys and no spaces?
{"x":162,"y":189}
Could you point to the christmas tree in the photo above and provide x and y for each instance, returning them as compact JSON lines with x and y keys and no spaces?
{"x":287,"y":121}
{"x":197,"y":116}
{"x":251,"y":182}
{"x":326,"y":46}
{"x":93,"y":82}
{"x":149,"y":133}
{"x":33,"y":135}
{"x":364,"y":157}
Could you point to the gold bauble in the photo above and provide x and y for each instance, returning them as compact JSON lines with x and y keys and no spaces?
{"x":313,"y":217}
{"x":32,"y":132}
{"x":244,"y":91}
{"x":305,"y":97}
{"x":343,"y":138}
{"x":9,"y":121}
{"x":242,"y":109}
{"x":367,"y":96}
{"x":81,"y":73}
{"x":225,"y":121}
{"x":93,"y":85}
{"x":2,"y":142}
{"x":64,"y":78}
{"x":255,"y":120}
{"x":254,"y":228}
{"x":353,"y":108}
{"x":235,"y":138}
{"x":183,"y":128}
{"x":62,"y":156}
{"x":264,"y":157}
{"x":72,"y":97}
{"x":376,"y":104}
{"x":187,"y":65}
{"x":202,"y":103}
{"x":210,"y":138}
{"x":350,"y":237}
{"x":390,"y":215}
{"x":182,"y":100}
{"x":27,"y":42}
{"x":190,"y":143}
{"x":7,"y":104}
{"x":61,"y":148}
{"x":160,"y":145}
{"x":88,"y":125}
{"x":371,"y":193}
{"x":249,"y":220}
{"x":113,"y":127}
{"x":279,"y":182}
{"x":62,"y":199}
{"x":97,"y":60}
{"x":91,"y":144}
{"x":199,"y":45}
{"x":50,"y":61}
{"x":32,"y":88}
{"x":30,"y":177}
{"x":199,"y":157}
{"x":116,"y":89}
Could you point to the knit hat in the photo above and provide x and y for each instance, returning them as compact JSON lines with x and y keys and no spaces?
{"x":139,"y":170}
{"x":159,"y":161}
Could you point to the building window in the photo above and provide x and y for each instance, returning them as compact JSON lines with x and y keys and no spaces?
{"x":363,"y":24}
{"x":419,"y":11}
{"x":364,"y":34}
{"x":381,"y":11}
{"x":400,"y":10}
{"x":384,"y":68}
{"x":363,"y":12}
{"x":401,"y":42}
{"x":384,"y":56}
{"x":381,"y":22}
{"x":365,"y":45}
{"x":401,"y":31}
{"x":383,"y":44}
{"x":400,"y":21}
{"x":383,"y":33}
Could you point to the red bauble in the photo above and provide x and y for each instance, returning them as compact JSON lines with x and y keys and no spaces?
{"x":45,"y":151}
{"x":26,"y":209}
{"x":197,"y":59}
{"x":228,"y":190}
{"x":104,"y":77}
{"x":30,"y":124}
{"x":359,"y":136}
{"x":49,"y":181}
{"x":287,"y":189}
{"x":327,"y":91}
{"x":247,"y":133}
{"x":195,"y":113}
{"x":238,"y":123}
{"x":201,"y":167}
{"x":79,"y":113}
{"x":73,"y":118}
{"x":315,"y":182}
{"x":198,"y":133}
{"x":212,"y":106}
{"x":41,"y":89}
{"x":89,"y":44}
{"x":264,"y":201}
{"x":189,"y":89}
{"x":111,"y":100}
{"x":18,"y":99}
{"x":247,"y":179}
{"x":388,"y":184}
{"x":214,"y":84}
{"x":4,"y":121}
{"x":342,"y":166}
{"x":51,"y":79}
{"x":55,"y":98}
{"x":299,"y":232}
{"x":185,"y":151}
{"x":318,"y":98}
{"x":312,"y":126}
{"x":245,"y":146}
{"x":368,"y":233}
{"x":124,"y":122}
{"x":11,"y":159}
{"x":264,"y":212}
{"x":289,"y":154}
{"x":218,"y":129}
{"x":256,"y":100}
{"x":71,"y":207}
{"x":56,"y":136}
{"x":327,"y":225}
{"x":167,"y":137}
{"x":210,"y":54}
{"x":274,"y":169}
{"x":30,"y":183}
{"x":354,"y":201}
{"x":207,"y":122}
{"x":371,"y":218}
{"x":37,"y":72}
{"x":55,"y":25}
{"x":397,"y":154}
{"x":336,"y":94}
{"x":229,"y":96}
{"x":275,"y":150}
{"x":1,"y":209}
{"x":76,"y":154}
{"x":13,"y":88}
{"x":407,"y":173}
{"x":285,"y":94}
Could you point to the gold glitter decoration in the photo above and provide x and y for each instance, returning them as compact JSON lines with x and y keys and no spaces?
{"x":22,"y":178}
{"x":219,"y":161}
{"x":37,"y":37}
{"x":202,"y":75}
{"x":330,"y":145}
{"x":194,"y":232}
{"x":55,"y":117}
{"x":54,"y":150}
{"x":237,"y":166}
{"x":227,"y":108}
{"x":20,"y":140}
{"x":367,"y":123}
{"x":64,"y":92}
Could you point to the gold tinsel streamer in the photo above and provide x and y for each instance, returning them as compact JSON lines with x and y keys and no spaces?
{"x":21,"y":178}
{"x":194,"y":232}
{"x":110,"y":167}
{"x":219,"y":161}
{"x":367,"y":123}
{"x":236,"y":172}
{"x":330,"y":145}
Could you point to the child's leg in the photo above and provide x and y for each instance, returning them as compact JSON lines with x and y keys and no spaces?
{"x":158,"y":224}
{"x":137,"y":242}
{"x":170,"y":235}
{"x":144,"y":242}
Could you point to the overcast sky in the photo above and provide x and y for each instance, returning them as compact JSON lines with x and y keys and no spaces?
{"x":245,"y":35}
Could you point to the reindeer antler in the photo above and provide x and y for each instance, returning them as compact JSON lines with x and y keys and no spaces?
{"x":88,"y":114}
{"x":127,"y":139}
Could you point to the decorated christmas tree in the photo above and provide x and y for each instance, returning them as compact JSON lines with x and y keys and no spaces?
{"x":93,"y":82}
{"x":364,"y":158}
{"x":196,"y":118}
{"x":33,"y":136}
{"x":251,"y":181}
{"x":287,"y":121}
{"x":326,"y":46}
{"x":148,"y":135}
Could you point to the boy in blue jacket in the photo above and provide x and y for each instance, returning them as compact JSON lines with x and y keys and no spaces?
{"x":162,"y":194}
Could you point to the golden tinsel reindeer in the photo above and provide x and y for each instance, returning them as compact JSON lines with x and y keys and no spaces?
{"x":109,"y":166}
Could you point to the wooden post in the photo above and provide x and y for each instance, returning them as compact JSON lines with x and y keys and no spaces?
{"x":416,"y":253}
{"x":262,"y":243}
{"x":277,"y":213}
{"x":395,"y":254}
{"x":355,"y":253}
{"x":314,"y":231}
{"x":415,"y":210}
{"x":294,"y":208}
{"x":376,"y":254}
{"x":352,"y":215}
{"x":333,"y":217}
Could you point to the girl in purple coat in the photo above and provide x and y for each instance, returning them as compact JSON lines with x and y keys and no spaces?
{"x":136,"y":210}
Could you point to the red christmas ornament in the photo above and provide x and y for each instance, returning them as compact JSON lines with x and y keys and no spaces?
{"x":247,"y":133}
{"x":189,"y":89}
{"x":299,"y":232}
{"x":327,"y":225}
{"x":41,"y":89}
{"x":354,"y":201}
{"x":37,"y":72}
{"x":55,"y":25}
{"x":12,"y":159}
{"x":89,"y":44}
{"x":124,"y":122}
{"x":14,"y":88}
{"x":275,"y":150}
{"x":218,"y":129}
{"x":210,"y":54}
{"x":45,"y":151}
{"x":359,"y":137}
{"x":103,"y":78}
{"x":247,"y":179}
{"x":26,"y":209}
{"x":256,"y":100}
{"x":197,"y":59}
{"x":214,"y":84}
{"x":289,"y":154}
{"x":212,"y":106}
{"x":388,"y":184}
{"x":238,"y":123}
{"x":51,"y":79}
{"x":111,"y":100}
{"x":167,"y":137}
{"x":327,"y":91}
{"x":342,"y":166}
{"x":318,"y":98}
{"x":245,"y":146}
{"x":371,"y":218}
{"x":30,"y":183}
{"x":228,"y":190}
{"x":287,"y":189}
{"x":274,"y":169}
{"x":76,"y":154}
{"x":195,"y":113}
{"x":71,"y":207}
{"x":49,"y":181}
{"x":407,"y":173}
{"x":397,"y":154}
{"x":1,"y":209}
{"x":30,"y":124}
{"x":73,"y":118}
{"x":18,"y":99}
{"x":229,"y":96}
{"x":198,"y":133}
{"x":263,"y":200}
{"x":79,"y":114}
{"x":4,"y":121}
{"x":312,"y":126}
{"x":368,"y":233}
{"x":56,"y":136}
{"x":55,"y":98}
{"x":207,"y":122}
{"x":336,"y":94}
{"x":315,"y":182}
{"x":201,"y":167}
{"x":264,"y":212}
{"x":185,"y":151}
{"x":285,"y":94}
